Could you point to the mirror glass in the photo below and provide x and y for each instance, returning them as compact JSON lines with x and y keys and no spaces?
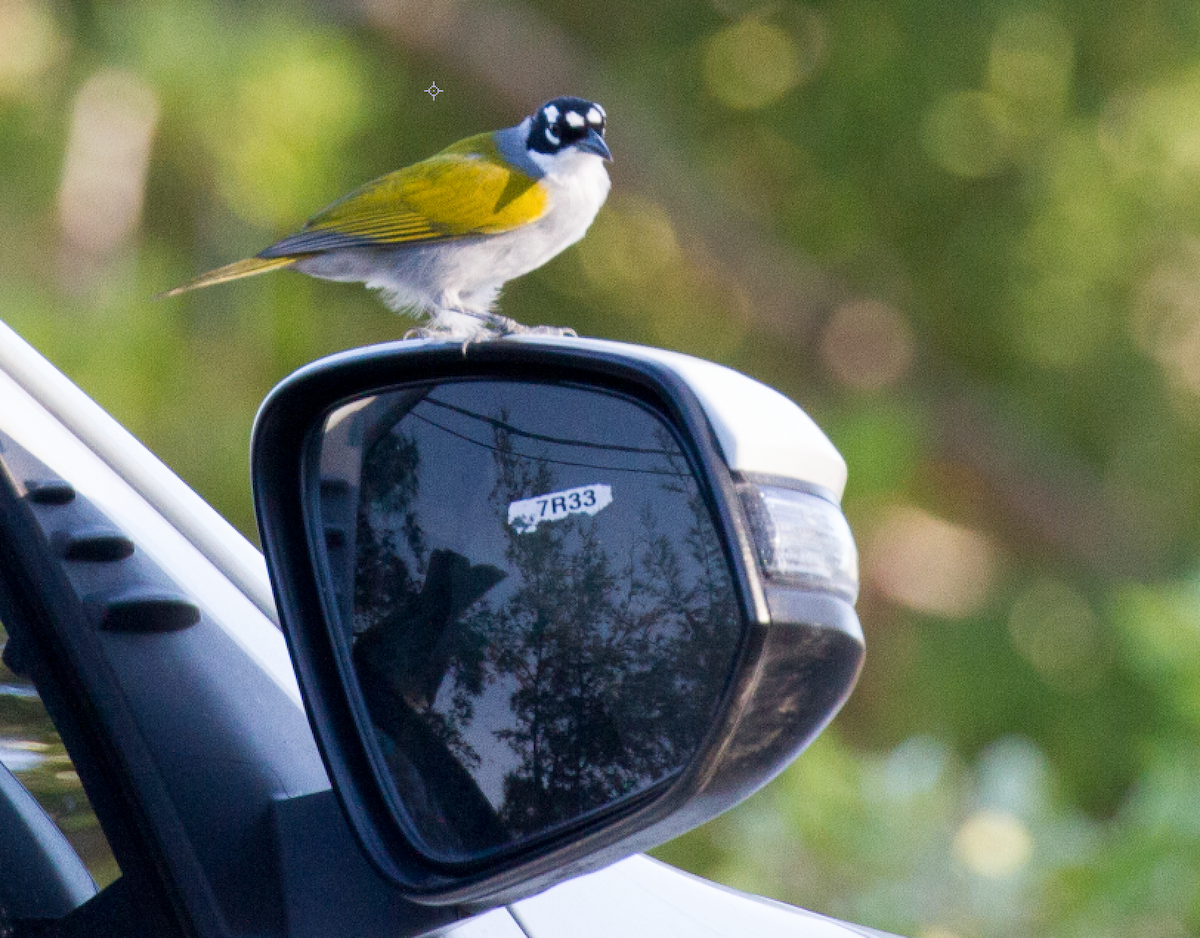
{"x":539,"y":615}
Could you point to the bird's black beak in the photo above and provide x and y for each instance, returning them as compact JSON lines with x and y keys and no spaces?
{"x":594,"y":143}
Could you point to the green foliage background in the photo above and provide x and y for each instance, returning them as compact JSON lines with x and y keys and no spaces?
{"x":965,"y":236}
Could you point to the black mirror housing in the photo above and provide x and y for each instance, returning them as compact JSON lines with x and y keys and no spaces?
{"x":550,"y":601}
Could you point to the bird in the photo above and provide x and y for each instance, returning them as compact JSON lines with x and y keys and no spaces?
{"x":438,"y":239}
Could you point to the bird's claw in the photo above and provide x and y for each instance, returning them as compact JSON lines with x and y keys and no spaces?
{"x":481,"y":336}
{"x":561,"y":331}
{"x":505,"y":326}
{"x":509,"y":327}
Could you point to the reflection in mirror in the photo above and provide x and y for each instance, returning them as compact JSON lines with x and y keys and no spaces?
{"x":540,"y":615}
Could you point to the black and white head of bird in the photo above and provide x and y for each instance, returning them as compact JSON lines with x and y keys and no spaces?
{"x":564,"y":127}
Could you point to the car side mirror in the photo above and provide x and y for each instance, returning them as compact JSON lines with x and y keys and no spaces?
{"x":550,"y":601}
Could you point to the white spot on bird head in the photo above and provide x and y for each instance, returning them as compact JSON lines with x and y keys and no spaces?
{"x":575,"y":119}
{"x":595,"y":115}
{"x":553,"y":137}
{"x":551,"y":113}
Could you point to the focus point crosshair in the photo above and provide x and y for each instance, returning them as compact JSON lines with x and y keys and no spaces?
{"x":433,"y":91}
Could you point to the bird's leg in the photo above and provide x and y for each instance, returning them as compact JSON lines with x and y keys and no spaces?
{"x":505,"y":326}
{"x":560,"y":331}
{"x":483,"y":335}
{"x":502,"y":324}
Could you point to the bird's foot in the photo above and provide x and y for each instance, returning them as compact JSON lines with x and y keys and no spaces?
{"x":497,"y":326}
{"x":423,"y":333}
{"x":560,"y":331}
{"x":505,"y":326}
{"x":479,"y":337}
{"x":508,"y":327}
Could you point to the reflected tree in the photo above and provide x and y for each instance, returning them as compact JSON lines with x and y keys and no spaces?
{"x":590,"y":677}
{"x":410,"y":623}
{"x":615,"y":666}
{"x":387,"y":516}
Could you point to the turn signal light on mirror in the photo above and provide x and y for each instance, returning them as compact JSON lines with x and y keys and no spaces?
{"x":802,"y":539}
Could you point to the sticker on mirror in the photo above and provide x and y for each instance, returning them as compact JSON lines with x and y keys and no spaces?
{"x":527,"y":513}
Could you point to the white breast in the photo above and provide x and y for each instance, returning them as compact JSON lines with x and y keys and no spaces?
{"x":578,"y":184}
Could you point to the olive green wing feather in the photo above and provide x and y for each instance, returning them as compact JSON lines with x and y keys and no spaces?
{"x":465,"y":190}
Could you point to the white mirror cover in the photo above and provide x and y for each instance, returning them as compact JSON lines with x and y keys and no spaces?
{"x":759,"y":430}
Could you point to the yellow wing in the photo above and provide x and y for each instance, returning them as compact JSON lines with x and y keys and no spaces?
{"x":464,"y":190}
